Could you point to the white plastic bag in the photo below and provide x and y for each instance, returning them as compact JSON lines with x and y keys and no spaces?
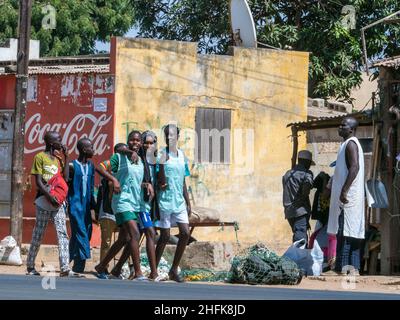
{"x":318,"y":259}
{"x":309,"y":260}
{"x":10,"y":253}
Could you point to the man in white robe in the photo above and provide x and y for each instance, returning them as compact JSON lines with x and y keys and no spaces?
{"x":347,"y":204}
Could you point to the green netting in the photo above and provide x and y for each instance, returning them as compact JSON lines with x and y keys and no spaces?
{"x":205,"y":275}
{"x":254,"y":265}
{"x":259,"y":265}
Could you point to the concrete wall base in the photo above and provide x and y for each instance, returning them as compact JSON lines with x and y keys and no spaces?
{"x":208,"y":255}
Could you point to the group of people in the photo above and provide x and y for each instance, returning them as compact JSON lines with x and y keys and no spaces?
{"x":339,"y":204}
{"x":142,"y":188}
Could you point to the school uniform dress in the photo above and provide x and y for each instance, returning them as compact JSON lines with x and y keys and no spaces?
{"x":127,"y":204}
{"x":348,"y":220}
{"x":171,"y":202}
{"x":80,"y":199}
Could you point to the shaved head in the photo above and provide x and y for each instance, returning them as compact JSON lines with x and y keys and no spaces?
{"x":351,"y":122}
{"x":83,"y":143}
{"x":51,"y":136}
{"x":85,"y":147}
{"x":348,"y":127}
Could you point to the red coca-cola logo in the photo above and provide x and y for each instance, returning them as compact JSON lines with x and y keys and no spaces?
{"x":81,"y":126}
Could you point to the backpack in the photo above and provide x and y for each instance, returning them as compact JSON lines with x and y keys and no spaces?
{"x":58,"y":188}
{"x":103,"y":198}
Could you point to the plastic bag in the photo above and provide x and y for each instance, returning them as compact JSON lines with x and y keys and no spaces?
{"x":318,"y":259}
{"x":309,"y":260}
{"x":10,"y":253}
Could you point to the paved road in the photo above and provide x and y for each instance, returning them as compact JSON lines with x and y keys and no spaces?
{"x":24,"y":287}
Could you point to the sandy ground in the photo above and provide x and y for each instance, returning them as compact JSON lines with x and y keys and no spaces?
{"x":383,"y":284}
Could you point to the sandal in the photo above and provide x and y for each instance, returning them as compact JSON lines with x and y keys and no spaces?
{"x":71,"y":274}
{"x":157,"y":279}
{"x":332,"y":263}
{"x":141,"y":278}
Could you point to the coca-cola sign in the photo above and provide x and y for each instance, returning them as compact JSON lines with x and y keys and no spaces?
{"x":81,"y":126}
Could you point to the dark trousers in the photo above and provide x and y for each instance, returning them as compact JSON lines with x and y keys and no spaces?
{"x":347,"y":250}
{"x":79,"y":265}
{"x":299,"y":227}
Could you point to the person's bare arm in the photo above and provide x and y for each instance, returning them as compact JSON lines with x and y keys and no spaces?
{"x":353,"y":167}
{"x":62,"y":157}
{"x":41,"y":187}
{"x":186,"y":196}
{"x":99,"y":172}
{"x":104,"y":173}
{"x":149,"y":189}
{"x":130,"y":153}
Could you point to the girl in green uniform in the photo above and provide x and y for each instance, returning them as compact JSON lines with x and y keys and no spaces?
{"x":173,"y":198}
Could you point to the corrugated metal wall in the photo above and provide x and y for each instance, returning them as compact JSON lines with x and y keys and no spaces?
{"x":6,"y":135}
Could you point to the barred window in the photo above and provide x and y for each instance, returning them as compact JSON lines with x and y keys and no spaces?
{"x":213,"y":130}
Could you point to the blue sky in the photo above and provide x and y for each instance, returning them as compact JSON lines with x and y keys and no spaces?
{"x":105,"y":46}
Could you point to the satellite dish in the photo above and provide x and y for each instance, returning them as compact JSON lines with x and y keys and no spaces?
{"x":243,"y":28}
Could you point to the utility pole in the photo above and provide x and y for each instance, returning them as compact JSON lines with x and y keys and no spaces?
{"x":17,"y":183}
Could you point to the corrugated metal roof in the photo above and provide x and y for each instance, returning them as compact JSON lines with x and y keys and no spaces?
{"x":69,"y":69}
{"x":62,"y":65}
{"x":88,"y":59}
{"x":364,"y":118}
{"x":393,"y":62}
{"x":317,"y":112}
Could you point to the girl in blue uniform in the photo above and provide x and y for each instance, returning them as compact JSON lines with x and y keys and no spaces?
{"x":173,"y":198}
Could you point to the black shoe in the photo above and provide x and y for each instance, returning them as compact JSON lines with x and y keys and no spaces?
{"x":191,"y":239}
{"x":32,"y":272}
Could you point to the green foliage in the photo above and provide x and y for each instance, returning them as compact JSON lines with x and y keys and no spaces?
{"x":79,"y":23}
{"x":186,"y":20}
{"x":307,"y":25}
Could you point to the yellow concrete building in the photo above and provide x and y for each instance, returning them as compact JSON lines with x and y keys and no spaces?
{"x":254,"y":93}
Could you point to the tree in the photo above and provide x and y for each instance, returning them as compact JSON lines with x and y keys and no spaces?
{"x":201,"y":21}
{"x":306,"y":25}
{"x":79,"y":23}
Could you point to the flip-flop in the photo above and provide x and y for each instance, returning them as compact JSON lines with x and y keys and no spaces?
{"x":157,"y":279}
{"x":141,"y":278}
{"x":71,"y":274}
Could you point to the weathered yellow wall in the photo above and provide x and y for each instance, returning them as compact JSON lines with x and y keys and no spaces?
{"x":162,"y":81}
